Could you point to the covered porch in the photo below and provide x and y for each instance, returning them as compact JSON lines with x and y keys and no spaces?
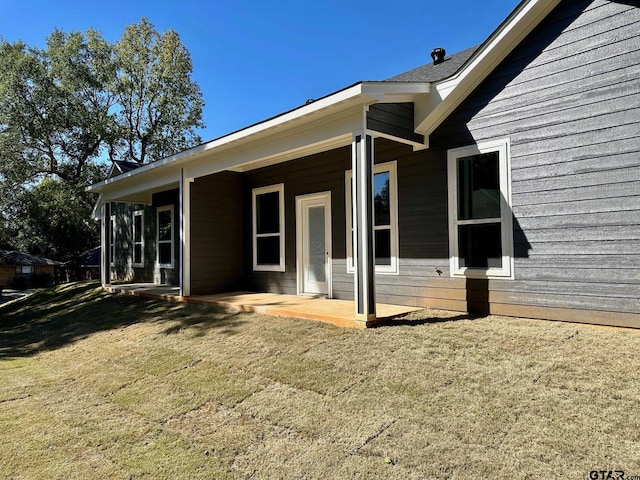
{"x":285,"y":206}
{"x":336,"y":312}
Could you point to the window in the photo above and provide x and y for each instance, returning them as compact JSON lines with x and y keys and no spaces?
{"x":385,"y":208}
{"x":138,"y":238}
{"x":24,"y":271}
{"x":480,"y":225}
{"x":112,"y":241}
{"x":268,"y":228}
{"x":165,"y":236}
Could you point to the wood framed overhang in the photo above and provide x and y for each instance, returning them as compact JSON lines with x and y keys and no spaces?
{"x":448,"y":94}
{"x":317,"y":126}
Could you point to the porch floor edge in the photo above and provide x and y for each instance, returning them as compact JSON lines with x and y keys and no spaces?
{"x":340,"y":313}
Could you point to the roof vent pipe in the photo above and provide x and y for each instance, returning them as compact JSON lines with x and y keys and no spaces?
{"x":438,"y":55}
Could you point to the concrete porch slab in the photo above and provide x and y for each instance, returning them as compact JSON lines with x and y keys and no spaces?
{"x":336,"y":312}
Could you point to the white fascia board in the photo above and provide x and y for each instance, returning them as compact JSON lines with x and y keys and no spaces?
{"x":363,"y":93}
{"x":139,"y":190}
{"x":448,"y":94}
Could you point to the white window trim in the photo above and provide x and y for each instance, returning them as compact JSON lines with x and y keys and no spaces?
{"x":503,"y":147}
{"x":158,"y":241}
{"x":390,"y":167}
{"x":138,"y":213}
{"x":112,"y":243}
{"x":280,"y":267}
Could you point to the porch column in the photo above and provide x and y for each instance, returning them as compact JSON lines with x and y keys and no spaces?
{"x":363,"y":232}
{"x":105,"y":240}
{"x":185,"y":235}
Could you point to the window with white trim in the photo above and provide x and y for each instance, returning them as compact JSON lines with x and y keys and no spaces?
{"x":268,"y":228}
{"x":112,"y":240}
{"x":165,"y":236}
{"x":480,"y":218}
{"x":385,"y":214}
{"x":138,"y":238}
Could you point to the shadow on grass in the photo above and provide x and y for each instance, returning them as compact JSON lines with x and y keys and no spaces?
{"x":59,"y":316}
{"x":418,"y":318}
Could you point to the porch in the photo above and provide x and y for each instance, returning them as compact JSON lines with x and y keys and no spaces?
{"x":245,"y":211}
{"x":336,"y":312}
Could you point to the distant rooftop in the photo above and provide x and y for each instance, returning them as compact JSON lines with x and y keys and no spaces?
{"x":23,"y":259}
{"x":124,"y":167}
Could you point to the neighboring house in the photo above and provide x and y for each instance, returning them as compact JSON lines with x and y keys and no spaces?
{"x":503,"y":179}
{"x":85,"y":266}
{"x":21,"y":270}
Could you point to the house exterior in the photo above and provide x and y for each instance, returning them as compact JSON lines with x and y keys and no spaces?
{"x":504,"y":179}
{"x":21,"y":270}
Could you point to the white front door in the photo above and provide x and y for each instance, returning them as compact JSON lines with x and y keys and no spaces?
{"x":313,"y":239}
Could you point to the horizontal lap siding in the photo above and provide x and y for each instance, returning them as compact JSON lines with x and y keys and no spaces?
{"x":124,"y":268}
{"x":317,"y":173}
{"x":569,"y":100}
{"x":217,"y":263}
{"x":169,"y":276}
{"x":422,"y":225}
{"x":121,"y":268}
{"x":423,"y":279}
{"x":395,"y":119}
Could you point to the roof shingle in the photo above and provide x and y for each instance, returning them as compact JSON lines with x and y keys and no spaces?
{"x":434,"y":73}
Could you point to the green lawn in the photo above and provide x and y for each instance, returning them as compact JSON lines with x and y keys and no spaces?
{"x":101,"y":386}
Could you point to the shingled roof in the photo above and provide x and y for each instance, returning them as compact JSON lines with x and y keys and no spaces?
{"x":90,"y":258}
{"x":120,"y":166}
{"x":434,"y":73}
{"x":24,"y":259}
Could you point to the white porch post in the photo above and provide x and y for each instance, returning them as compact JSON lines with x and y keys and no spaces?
{"x":105,"y":240}
{"x":185,"y":235}
{"x":363,"y":232}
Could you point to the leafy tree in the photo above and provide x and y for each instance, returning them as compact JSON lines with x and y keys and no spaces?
{"x":54,"y":106}
{"x":69,"y":108}
{"x":160,"y":105}
{"x":53,"y":220}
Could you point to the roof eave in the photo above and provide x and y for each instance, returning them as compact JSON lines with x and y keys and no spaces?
{"x":447,"y":94}
{"x":361,"y":93}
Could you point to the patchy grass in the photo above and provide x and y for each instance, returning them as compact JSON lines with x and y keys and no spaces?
{"x":101,"y":386}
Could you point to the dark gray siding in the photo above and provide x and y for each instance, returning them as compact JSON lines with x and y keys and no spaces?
{"x":423,"y":240}
{"x":317,"y":173}
{"x":569,"y":100}
{"x":145,"y":273}
{"x":123,"y":268}
{"x":423,"y":235}
{"x":170,"y":276}
{"x":217,"y":263}
{"x":396,"y":119}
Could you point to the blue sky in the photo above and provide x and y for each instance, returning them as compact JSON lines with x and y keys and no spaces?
{"x":256,"y":58}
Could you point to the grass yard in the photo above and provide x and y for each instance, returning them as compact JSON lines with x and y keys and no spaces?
{"x":101,"y":386}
